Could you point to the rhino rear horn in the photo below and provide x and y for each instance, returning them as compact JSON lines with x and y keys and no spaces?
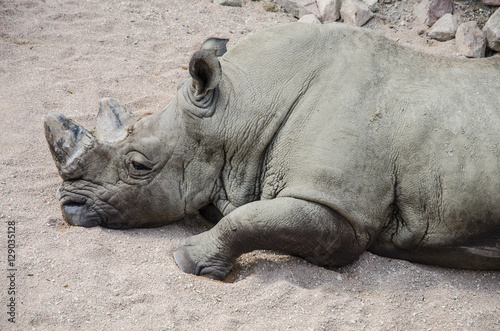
{"x":216,"y":44}
{"x":113,"y":121}
{"x":68,"y":142}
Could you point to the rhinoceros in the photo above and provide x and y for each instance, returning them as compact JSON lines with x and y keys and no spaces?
{"x":316,"y":141}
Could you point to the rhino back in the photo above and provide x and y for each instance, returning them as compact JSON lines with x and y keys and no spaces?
{"x":404,"y":145}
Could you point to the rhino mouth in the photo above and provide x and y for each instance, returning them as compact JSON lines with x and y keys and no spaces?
{"x":78,"y":213}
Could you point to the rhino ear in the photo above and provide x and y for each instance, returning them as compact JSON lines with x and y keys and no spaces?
{"x":68,"y":142}
{"x":113,"y":121}
{"x":218,"y":45}
{"x":206,"y":72}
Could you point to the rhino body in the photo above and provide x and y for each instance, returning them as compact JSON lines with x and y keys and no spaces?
{"x":317,"y":141}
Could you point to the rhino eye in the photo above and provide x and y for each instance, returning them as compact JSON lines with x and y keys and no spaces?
{"x":140,"y":167}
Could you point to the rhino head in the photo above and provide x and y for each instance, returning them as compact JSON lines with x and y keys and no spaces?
{"x":139,"y":172}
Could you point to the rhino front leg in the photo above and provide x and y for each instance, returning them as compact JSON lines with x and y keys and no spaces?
{"x":297,"y":227}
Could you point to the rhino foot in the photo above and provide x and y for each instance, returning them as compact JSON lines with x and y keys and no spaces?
{"x":194,"y":257}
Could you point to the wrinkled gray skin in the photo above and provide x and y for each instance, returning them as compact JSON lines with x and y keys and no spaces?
{"x":318,"y":141}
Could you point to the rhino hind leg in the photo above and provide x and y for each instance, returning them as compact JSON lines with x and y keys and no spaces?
{"x":475,"y":257}
{"x":293,"y":226}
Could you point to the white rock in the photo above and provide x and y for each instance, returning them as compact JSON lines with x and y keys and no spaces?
{"x":371,"y":4}
{"x":299,"y":8}
{"x":329,"y":9}
{"x":233,"y":3}
{"x":420,"y":10}
{"x":492,"y":31}
{"x":470,"y":40}
{"x":355,"y":13}
{"x":429,"y":11}
{"x":310,"y":19}
{"x":444,"y":29}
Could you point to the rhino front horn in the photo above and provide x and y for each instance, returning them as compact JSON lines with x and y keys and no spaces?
{"x":113,"y":121}
{"x":68,"y":142}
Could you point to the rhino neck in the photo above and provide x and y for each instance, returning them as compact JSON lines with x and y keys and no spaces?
{"x":194,"y":166}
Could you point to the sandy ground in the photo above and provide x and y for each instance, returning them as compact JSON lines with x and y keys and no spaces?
{"x":64,"y":55}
